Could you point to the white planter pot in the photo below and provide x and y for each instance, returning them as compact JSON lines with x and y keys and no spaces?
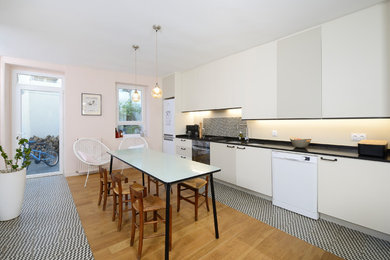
{"x":12,"y":186}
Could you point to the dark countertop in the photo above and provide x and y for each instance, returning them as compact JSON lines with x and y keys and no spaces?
{"x":322,"y":149}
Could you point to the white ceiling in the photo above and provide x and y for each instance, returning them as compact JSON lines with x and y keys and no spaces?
{"x":99,"y":33}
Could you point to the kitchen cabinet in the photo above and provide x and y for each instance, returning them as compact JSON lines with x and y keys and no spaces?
{"x":356,"y":68}
{"x":183,"y":148}
{"x":299,"y":75}
{"x":256,"y":82}
{"x":224,"y":157}
{"x":253,"y":169}
{"x":355,"y":190}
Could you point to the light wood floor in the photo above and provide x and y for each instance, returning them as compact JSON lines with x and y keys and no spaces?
{"x":241,"y":236}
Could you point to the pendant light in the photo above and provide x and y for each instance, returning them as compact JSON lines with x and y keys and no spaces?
{"x":156,"y":91}
{"x":135,"y":96}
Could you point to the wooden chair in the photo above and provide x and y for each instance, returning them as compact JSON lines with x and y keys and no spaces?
{"x":105,"y":186}
{"x":193,"y":185}
{"x":141,"y":205}
{"x":120,"y":197}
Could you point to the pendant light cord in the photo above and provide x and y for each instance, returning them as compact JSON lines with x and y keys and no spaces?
{"x":156,"y":28}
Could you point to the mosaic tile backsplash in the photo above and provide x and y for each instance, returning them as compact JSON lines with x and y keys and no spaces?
{"x":224,"y":126}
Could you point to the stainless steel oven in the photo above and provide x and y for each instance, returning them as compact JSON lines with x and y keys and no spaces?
{"x":201,"y":151}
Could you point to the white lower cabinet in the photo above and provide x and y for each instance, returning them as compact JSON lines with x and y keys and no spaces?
{"x":224,"y":157}
{"x":253,"y":169}
{"x":183,"y":148}
{"x":247,"y":167}
{"x":357,"y":191}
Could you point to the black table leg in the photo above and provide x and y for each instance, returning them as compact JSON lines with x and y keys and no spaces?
{"x":167,"y":216}
{"x":214,"y":207}
{"x":143,"y":179}
{"x":109,"y":184}
{"x":111,"y":159}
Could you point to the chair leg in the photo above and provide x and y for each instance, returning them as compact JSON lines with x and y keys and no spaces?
{"x":100,"y":193}
{"x":178,"y":197}
{"x":132,"y":227}
{"x":157,"y":188}
{"x":155,"y":218}
{"x":120,"y":210}
{"x":105,"y":194}
{"x":196,"y":204}
{"x":86,"y":179}
{"x":149,"y":184}
{"x":141,"y":236}
{"x":113,"y":206}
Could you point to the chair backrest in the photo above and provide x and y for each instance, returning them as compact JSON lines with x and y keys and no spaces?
{"x":117,"y":181}
{"x":91,"y":151}
{"x":132,"y":142}
{"x":137,"y":193}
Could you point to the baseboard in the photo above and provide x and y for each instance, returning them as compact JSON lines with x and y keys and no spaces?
{"x":356,"y":227}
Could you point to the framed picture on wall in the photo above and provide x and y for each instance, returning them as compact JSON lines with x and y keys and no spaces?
{"x":91,"y":104}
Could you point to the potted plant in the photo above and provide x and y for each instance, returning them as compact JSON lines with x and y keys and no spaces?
{"x":13,"y":180}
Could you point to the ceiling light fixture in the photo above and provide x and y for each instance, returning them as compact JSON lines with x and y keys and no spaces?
{"x":135,"y":96}
{"x":156,"y":91}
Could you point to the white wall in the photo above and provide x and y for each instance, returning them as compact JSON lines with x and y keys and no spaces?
{"x":79,"y":80}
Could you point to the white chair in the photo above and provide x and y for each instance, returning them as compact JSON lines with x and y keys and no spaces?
{"x":92,"y":152}
{"x":132,"y":142}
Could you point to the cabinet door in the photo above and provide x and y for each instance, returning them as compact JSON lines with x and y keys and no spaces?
{"x":253,"y":169}
{"x":224,"y":157}
{"x":299,"y":76}
{"x":256,"y":82}
{"x":356,"y":67}
{"x":356,"y":191}
{"x":191,"y":94}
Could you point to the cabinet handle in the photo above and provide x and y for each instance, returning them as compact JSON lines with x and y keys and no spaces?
{"x":183,"y":140}
{"x":183,"y":157}
{"x":241,"y":148}
{"x":183,"y":148}
{"x":230,"y":146}
{"x":326,"y":159}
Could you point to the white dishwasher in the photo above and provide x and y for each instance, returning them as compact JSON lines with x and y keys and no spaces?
{"x":294,"y":182}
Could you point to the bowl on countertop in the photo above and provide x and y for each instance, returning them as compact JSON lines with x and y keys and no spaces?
{"x":300,"y":142}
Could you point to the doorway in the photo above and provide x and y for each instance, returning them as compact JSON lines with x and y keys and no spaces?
{"x":37,"y":116}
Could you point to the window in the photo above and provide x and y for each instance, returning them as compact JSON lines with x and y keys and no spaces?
{"x":131,"y":115}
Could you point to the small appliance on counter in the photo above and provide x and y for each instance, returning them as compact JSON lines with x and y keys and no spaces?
{"x":375,"y":148}
{"x":192,"y":131}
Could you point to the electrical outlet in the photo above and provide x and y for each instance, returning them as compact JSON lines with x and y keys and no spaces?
{"x":362,"y":136}
{"x":356,"y":137}
{"x":274,"y":133}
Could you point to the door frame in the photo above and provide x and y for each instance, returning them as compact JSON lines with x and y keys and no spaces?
{"x":16,"y":116}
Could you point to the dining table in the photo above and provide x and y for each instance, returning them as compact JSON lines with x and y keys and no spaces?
{"x":168,"y":169}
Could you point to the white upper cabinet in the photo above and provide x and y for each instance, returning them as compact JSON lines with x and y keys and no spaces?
{"x":299,"y":75}
{"x":356,"y":64}
{"x":256,"y":83}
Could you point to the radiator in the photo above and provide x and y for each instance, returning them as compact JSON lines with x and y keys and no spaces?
{"x":81,"y":167}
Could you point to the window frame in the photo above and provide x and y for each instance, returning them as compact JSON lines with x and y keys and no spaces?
{"x":130,"y":86}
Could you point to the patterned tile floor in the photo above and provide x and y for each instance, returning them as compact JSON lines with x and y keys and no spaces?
{"x":49,"y":226}
{"x":339,"y":240}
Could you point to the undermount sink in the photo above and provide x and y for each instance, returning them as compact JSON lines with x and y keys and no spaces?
{"x":236,"y":142}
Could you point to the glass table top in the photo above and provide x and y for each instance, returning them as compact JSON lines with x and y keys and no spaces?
{"x":167,"y":168}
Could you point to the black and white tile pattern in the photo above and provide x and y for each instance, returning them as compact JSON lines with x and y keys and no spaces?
{"x":339,"y":240}
{"x":224,"y":126}
{"x":49,"y":226}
